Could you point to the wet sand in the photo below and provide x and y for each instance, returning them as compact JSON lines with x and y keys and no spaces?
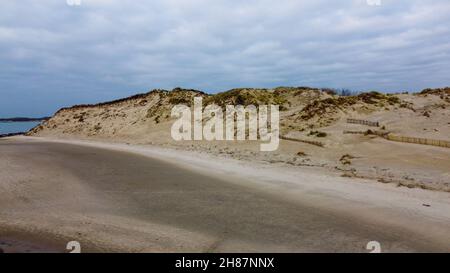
{"x":11,"y":245}
{"x":113,"y":201}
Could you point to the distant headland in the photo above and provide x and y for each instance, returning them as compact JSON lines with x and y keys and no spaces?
{"x":23,"y":119}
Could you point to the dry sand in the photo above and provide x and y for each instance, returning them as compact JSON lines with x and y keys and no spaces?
{"x":145,"y":120}
{"x":142,"y":198}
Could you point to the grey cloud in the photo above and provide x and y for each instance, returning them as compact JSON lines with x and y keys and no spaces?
{"x":53,"y":55}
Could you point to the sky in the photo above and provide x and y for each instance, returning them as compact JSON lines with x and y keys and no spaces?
{"x":54,"y":53}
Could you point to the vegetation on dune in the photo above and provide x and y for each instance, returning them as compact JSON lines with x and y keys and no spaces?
{"x":346,"y":159}
{"x":436,"y":91}
{"x":443,"y":93}
{"x":333,"y":104}
{"x":294,"y":90}
{"x":247,"y":96}
{"x":142,"y":98}
{"x":161,"y":110}
{"x":309,"y":108}
{"x":183,"y":96}
{"x":317,"y":134}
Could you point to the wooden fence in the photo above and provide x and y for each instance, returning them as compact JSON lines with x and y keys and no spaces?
{"x":367,"y":132}
{"x":364,"y":122}
{"x":312,"y":142}
{"x":355,"y":132}
{"x":417,"y":140}
{"x":392,"y":137}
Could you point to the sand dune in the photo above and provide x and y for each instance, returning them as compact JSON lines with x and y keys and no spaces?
{"x":145,"y":119}
{"x":110,"y":176}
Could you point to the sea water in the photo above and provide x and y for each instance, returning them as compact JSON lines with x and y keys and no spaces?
{"x":16,"y":127}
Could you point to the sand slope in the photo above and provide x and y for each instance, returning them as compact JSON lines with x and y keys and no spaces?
{"x":145,"y":119}
{"x":116,"y":197}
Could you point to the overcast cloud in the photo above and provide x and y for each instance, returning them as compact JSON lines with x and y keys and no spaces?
{"x":53,"y":54}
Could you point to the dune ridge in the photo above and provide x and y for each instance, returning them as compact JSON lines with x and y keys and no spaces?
{"x":309,"y":115}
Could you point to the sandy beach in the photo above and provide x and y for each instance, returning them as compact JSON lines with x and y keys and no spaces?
{"x":234,"y":136}
{"x":141,"y":198}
